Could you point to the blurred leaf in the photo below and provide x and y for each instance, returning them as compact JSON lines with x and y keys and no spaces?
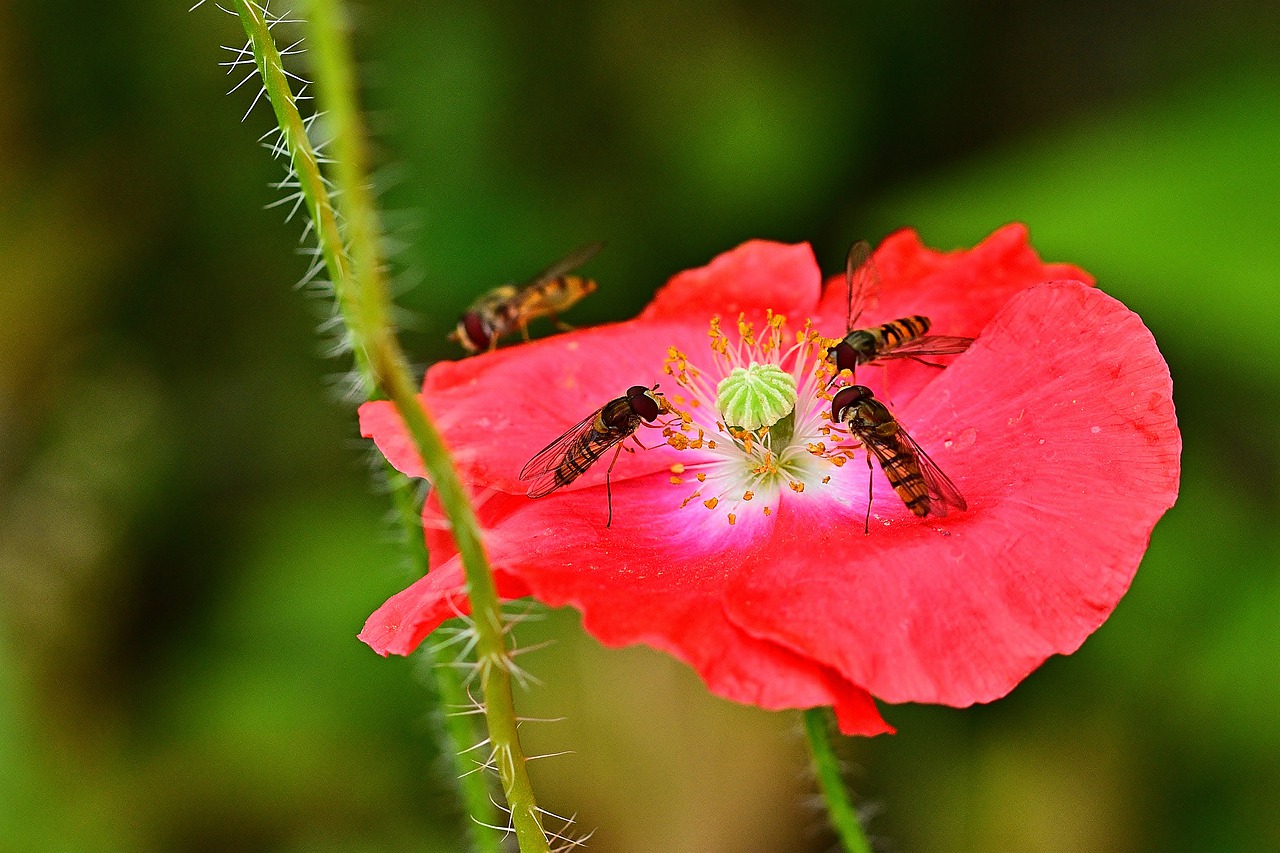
{"x":1172,"y":204}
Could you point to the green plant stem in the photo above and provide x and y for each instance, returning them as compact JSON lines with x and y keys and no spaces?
{"x":459,"y":726}
{"x":305,"y":163}
{"x":356,"y":268}
{"x":827,"y":767}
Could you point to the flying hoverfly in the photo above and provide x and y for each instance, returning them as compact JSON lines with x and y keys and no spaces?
{"x":569,"y":456}
{"x":906,"y":337}
{"x":504,"y":309}
{"x":914,"y":476}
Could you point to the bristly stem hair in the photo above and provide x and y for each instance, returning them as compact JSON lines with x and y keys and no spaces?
{"x":844,"y":819}
{"x":356,"y":268}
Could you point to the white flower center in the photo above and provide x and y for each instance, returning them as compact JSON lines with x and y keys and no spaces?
{"x":760,"y":415}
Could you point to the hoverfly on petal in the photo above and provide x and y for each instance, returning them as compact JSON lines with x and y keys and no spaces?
{"x":914,"y":476}
{"x":569,"y":456}
{"x":504,"y":309}
{"x":906,"y":337}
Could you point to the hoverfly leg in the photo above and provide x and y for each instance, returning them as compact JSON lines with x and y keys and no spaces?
{"x":866,"y":522}
{"x":493,"y":343}
{"x":561,"y":324}
{"x":927,"y":363}
{"x":637,"y":440}
{"x":608,"y":486}
{"x":524,"y":331}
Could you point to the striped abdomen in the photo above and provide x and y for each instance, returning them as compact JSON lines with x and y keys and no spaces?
{"x":902,"y":468}
{"x":895,"y":333}
{"x":551,"y":297}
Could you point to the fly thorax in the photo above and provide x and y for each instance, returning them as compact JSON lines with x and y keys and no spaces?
{"x":863,"y":343}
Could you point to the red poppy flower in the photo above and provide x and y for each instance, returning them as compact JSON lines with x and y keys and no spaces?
{"x":1057,"y":426}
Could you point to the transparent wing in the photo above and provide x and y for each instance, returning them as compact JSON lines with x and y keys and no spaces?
{"x":928,"y":345}
{"x":494,"y":299}
{"x":568,"y":263}
{"x":574,"y":463}
{"x":550,"y":457}
{"x":863,"y":279}
{"x":939,"y":485}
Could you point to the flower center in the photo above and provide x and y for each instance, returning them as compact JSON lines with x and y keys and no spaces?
{"x":758,"y":414}
{"x":755,"y":396}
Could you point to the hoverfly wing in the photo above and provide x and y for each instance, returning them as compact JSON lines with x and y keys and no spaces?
{"x":548,"y":459}
{"x":942,"y":491}
{"x":863,"y":279}
{"x":578,"y":457}
{"x":928,"y":345}
{"x":568,"y":263}
{"x":493,"y":299}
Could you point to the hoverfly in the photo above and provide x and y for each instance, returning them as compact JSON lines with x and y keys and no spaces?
{"x":906,"y":337}
{"x":569,"y":456}
{"x":504,"y":309}
{"x":914,"y":476}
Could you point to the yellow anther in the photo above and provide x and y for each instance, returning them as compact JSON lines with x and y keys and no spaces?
{"x":732,"y":518}
{"x":710,"y":503}
{"x":796,"y":486}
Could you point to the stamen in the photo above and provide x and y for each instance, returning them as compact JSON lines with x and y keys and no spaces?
{"x":766,"y":392}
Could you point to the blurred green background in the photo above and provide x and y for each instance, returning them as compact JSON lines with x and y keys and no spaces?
{"x":183,"y":569}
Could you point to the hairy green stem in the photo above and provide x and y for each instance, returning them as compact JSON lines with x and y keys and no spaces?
{"x":459,"y":726}
{"x":827,"y":767}
{"x":356,"y":268}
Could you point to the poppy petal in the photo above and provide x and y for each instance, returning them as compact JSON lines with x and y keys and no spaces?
{"x":1058,"y":426}
{"x":496,"y":411}
{"x":757,"y":276}
{"x":959,"y":291}
{"x":642,"y":580}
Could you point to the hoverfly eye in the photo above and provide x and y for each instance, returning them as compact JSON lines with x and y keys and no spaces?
{"x":644,"y":405}
{"x":847,"y":397}
{"x":636,"y":391}
{"x":843,"y":356}
{"x":476,"y":329}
